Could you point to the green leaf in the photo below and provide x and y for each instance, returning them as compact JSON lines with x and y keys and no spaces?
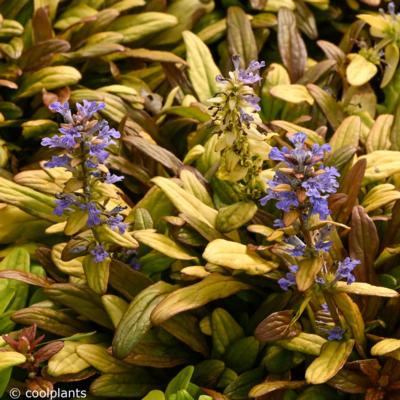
{"x":365,"y":289}
{"x":392,"y":56}
{"x":211,"y":288}
{"x":360,"y":70}
{"x":381,"y":164}
{"x":225,"y":331}
{"x":385,"y":346}
{"x":236,"y":256}
{"x":180,"y":381}
{"x":154,"y":395}
{"x":292,"y":128}
{"x":379,"y":135}
{"x":15,"y":264}
{"x":185,"y":327}
{"x":291,"y":45}
{"x":333,"y":356}
{"x":75,"y":222}
{"x":193,"y":185}
{"x":48,"y":78}
{"x":207,"y":372}
{"x":82,"y":300}
{"x":328,"y":104}
{"x":353,"y":318}
{"x":272,"y":386}
{"x":240,"y":387}
{"x":235,"y":215}
{"x":126,"y":280}
{"x":153,"y":55}
{"x":380,"y":196}
{"x":50,"y":320}
{"x":159,"y":349}
{"x":98,"y":357}
{"x":162,"y":243}
{"x":136,"y":27}
{"x":10,"y":358}
{"x":242,"y":355}
{"x":157,"y":153}
{"x":275,"y":75}
{"x":142,"y":219}
{"x":124,"y":385}
{"x":308,"y":270}
{"x":295,"y":94}
{"x":67,"y":361}
{"x":5,"y":375}
{"x":307,"y":343}
{"x":186,"y":203}
{"x":115,"y":307}
{"x":347,"y":134}
{"x":135,"y":323}
{"x":28,"y":200}
{"x":240,"y":36}
{"x":97,"y":273}
{"x":202,"y":69}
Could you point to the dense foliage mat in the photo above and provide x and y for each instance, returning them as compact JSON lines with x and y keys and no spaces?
{"x":200,"y":200}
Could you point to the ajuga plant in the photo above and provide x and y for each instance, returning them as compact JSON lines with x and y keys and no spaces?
{"x":236,"y":122}
{"x":87,"y":199}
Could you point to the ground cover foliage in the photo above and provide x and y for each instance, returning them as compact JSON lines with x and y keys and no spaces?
{"x":199,"y":199}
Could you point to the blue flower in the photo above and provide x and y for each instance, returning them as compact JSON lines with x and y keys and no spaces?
{"x":325,"y":307}
{"x":93,"y":213}
{"x":84,"y":141}
{"x":105,"y":132}
{"x":64,"y":202}
{"x":301,"y":156}
{"x":299,"y":138}
{"x":112,"y":178}
{"x":392,"y":9}
{"x":297,"y":246}
{"x":62,"y":109}
{"x":92,"y":164}
{"x":98,"y":151}
{"x":252,"y":100}
{"x":290,"y":278}
{"x":336,"y":333}
{"x":250,"y":75}
{"x":132,"y":260}
{"x":278,"y":223}
{"x":245,"y":117}
{"x":89,"y":108}
{"x":59,"y":161}
{"x":345,"y":270}
{"x":323,"y":245}
{"x":99,"y":253}
{"x":322,"y":183}
{"x":287,"y":199}
{"x":68,"y":139}
{"x":279,"y":155}
{"x":115,"y":222}
{"x":319,"y":205}
{"x":301,"y":172}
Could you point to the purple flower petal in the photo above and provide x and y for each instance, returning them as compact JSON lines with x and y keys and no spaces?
{"x":99,"y":253}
